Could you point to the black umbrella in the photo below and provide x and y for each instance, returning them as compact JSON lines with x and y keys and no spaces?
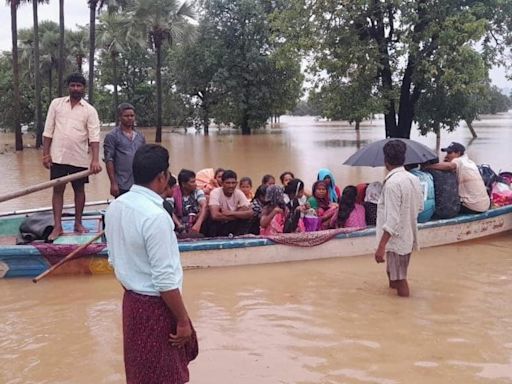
{"x":372,"y":155}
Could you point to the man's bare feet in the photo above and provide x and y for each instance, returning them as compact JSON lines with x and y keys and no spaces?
{"x":79,"y":228}
{"x":57,"y":231}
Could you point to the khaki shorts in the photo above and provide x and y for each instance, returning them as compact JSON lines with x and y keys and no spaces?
{"x":397,"y":265}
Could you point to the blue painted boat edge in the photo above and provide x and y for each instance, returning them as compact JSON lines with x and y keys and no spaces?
{"x":219,"y":244}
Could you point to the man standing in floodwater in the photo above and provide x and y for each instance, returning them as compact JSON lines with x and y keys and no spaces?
{"x":119,"y":148}
{"x":72,"y":126}
{"x":400,"y":202}
{"x":158,"y":337}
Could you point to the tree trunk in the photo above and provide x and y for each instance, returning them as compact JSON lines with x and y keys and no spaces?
{"x":79,"y":61}
{"x":38,"y":116}
{"x":206,"y":116}
{"x":471,"y":129}
{"x":92,"y":47}
{"x":114,"y":80}
{"x":158,"y":49}
{"x":16,"y":77}
{"x":245,"y":124}
{"x":357,"y":125}
{"x":61,"y":49}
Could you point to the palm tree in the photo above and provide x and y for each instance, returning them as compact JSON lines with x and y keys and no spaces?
{"x":77,"y":43}
{"x":16,"y":74}
{"x":95,"y":6}
{"x":61,"y":48}
{"x":113,"y":37}
{"x":160,"y":21}
{"x":38,"y":121}
{"x":49,"y":52}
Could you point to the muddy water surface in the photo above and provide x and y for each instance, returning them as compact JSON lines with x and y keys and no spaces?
{"x":330,"y":321}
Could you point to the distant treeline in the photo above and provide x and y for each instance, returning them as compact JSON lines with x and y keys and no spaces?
{"x":241,"y":62}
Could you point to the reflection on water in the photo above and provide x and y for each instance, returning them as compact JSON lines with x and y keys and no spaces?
{"x":329,"y":321}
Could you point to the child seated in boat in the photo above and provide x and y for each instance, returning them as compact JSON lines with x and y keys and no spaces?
{"x":257,"y":204}
{"x":322,"y":205}
{"x":350,"y":214}
{"x":294,"y":190}
{"x":245,"y":186}
{"x":278,"y":216}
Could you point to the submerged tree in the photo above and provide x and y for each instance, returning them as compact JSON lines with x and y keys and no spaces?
{"x":398,"y":43}
{"x":16,"y":75}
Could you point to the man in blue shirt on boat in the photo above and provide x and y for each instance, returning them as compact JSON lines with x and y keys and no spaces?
{"x":119,"y":148}
{"x":159,"y":340}
{"x":400,"y":202}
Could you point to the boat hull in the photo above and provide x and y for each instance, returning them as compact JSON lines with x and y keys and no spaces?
{"x":27,"y":261}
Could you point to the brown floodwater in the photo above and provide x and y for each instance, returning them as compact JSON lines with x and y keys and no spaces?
{"x":328,"y":321}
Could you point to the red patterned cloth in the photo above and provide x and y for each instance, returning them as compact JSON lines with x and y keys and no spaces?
{"x":56,"y":252}
{"x":149,"y":358}
{"x":308,"y":239}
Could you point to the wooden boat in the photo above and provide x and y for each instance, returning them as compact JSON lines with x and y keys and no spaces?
{"x":29,"y":261}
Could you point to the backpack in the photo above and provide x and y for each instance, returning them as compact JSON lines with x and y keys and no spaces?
{"x":488,"y":176}
{"x":429,"y":204}
{"x":446,"y":191}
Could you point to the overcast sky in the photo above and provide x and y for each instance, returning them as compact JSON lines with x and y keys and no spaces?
{"x":77,"y":12}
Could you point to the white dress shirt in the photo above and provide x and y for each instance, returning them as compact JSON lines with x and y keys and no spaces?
{"x":142,"y":245}
{"x":400,"y":202}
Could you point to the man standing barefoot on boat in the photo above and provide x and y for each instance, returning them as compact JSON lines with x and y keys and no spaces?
{"x":159,"y":340}
{"x":119,"y":148}
{"x":399,"y":204}
{"x":72,"y":125}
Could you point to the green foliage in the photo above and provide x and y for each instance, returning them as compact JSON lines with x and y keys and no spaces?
{"x":232,"y":69}
{"x":391,"y":50}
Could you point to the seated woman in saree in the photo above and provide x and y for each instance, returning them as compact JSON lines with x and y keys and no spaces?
{"x":190,"y":209}
{"x":277,"y":216}
{"x":326,"y":175}
{"x":322,"y":205}
{"x":350,"y":214}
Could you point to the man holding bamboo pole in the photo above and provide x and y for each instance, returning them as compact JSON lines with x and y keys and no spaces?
{"x":72,"y":126}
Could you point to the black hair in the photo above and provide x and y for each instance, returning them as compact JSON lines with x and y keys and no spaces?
{"x":185,"y":175}
{"x":217,"y":171}
{"x":293,"y":187}
{"x":229,"y":174}
{"x":172,"y":181}
{"x":246,"y":179}
{"x":265,"y":179}
{"x":347,"y":203}
{"x":123,"y":107}
{"x":261,"y":191}
{"x":148,"y":162}
{"x":75,"y":77}
{"x":284,"y":174}
{"x":394,"y":152}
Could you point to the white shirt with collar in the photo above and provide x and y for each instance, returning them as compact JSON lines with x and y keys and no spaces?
{"x":142,"y":245}
{"x":71,"y":130}
{"x":399,"y":204}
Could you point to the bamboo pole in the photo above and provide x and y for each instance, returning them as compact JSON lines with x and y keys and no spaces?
{"x":67,"y":258}
{"x":47,"y":209}
{"x":45,"y":185}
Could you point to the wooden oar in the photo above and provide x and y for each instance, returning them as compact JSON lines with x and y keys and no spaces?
{"x":45,"y":209}
{"x":45,"y":185}
{"x":67,"y":258}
